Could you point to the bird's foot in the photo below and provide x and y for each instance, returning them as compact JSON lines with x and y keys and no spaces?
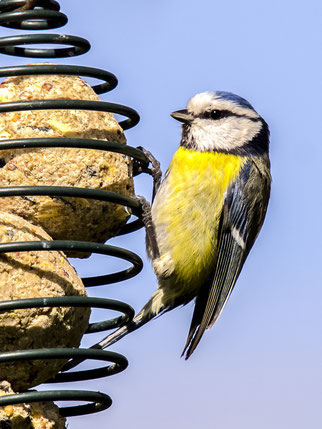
{"x":154,"y":171}
{"x":30,"y":4}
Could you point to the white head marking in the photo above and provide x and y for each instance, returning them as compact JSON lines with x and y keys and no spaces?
{"x":238,"y":127}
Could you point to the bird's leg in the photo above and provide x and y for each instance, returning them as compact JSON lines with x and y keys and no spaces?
{"x":154,"y":171}
{"x":149,"y":227}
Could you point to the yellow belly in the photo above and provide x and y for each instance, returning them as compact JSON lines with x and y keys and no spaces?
{"x":187,"y":210}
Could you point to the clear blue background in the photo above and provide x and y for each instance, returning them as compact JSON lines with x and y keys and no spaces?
{"x":260,"y":366}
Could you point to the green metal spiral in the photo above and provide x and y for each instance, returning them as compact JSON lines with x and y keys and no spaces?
{"x":48,"y":16}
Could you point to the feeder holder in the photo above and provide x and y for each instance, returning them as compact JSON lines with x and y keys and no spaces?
{"x":48,"y":16}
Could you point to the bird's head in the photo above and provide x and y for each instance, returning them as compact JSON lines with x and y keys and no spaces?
{"x":223,"y":122}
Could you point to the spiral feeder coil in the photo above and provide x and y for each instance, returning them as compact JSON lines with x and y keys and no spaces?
{"x":47,"y":16}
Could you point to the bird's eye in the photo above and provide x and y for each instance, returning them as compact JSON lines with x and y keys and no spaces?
{"x":216,"y":114}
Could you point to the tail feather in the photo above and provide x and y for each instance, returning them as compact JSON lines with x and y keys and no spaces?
{"x":139,"y":320}
{"x":152,"y":308}
{"x":195,"y":334}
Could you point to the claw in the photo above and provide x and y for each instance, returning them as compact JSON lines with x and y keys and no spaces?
{"x":154,"y":171}
{"x":30,"y":4}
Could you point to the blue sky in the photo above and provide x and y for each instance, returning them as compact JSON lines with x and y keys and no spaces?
{"x":260,"y":365}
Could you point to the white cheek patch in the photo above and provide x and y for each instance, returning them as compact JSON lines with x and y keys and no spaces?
{"x":224,"y":134}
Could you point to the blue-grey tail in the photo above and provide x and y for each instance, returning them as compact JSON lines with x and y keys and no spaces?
{"x":139,"y":320}
{"x":147,"y":313}
{"x":154,"y":307}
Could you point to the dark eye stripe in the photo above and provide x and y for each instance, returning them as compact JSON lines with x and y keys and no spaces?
{"x":220,"y":114}
{"x":217,"y":114}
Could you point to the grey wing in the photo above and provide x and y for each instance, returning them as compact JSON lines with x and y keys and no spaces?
{"x":241,"y":219}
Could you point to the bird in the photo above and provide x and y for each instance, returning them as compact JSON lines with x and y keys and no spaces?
{"x":207,"y":212}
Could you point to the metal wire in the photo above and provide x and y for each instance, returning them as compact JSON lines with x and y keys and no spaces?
{"x":47,"y":16}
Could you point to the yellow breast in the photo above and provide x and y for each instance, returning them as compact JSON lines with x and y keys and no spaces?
{"x":186,"y":212}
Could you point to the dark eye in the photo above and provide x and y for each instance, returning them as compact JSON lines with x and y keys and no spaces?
{"x":216,"y":114}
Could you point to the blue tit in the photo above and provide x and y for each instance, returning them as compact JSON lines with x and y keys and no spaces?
{"x":207,"y":211}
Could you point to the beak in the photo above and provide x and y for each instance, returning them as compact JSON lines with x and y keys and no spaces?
{"x":182,"y":116}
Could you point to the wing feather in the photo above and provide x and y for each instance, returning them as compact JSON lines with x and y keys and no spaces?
{"x":236,"y":234}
